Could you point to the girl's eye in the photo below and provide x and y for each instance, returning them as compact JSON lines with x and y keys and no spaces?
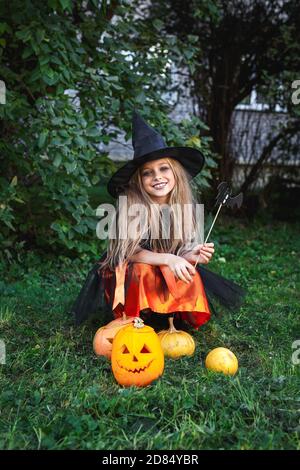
{"x":163,"y":168}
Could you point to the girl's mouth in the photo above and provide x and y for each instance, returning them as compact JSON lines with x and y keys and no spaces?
{"x":159,"y":185}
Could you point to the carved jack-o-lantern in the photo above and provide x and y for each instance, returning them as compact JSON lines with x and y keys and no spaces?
{"x":137,"y":356}
{"x":103,"y":339}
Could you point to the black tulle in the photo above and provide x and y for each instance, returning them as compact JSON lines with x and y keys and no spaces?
{"x":225,"y":291}
{"x":92,"y":294}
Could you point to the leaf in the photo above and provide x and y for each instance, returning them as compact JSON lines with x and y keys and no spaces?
{"x":141,"y":98}
{"x":210,"y":162}
{"x":70,"y":121}
{"x":8,"y":223}
{"x":57,"y":121}
{"x":70,"y":167}
{"x":92,"y":132}
{"x":28,"y":51}
{"x":82,"y":229}
{"x":195,"y":140}
{"x":49,"y":75}
{"x":57,"y":142}
{"x":158,"y":24}
{"x":63,"y":133}
{"x":3,"y":27}
{"x":95,"y":179}
{"x":24,"y":34}
{"x":57,"y":160}
{"x":80,"y":141}
{"x":35,"y":75}
{"x":188,"y":53}
{"x":66,"y":4}
{"x":42,"y":138}
{"x":40,"y":34}
{"x":14,"y":181}
{"x":44,"y":60}
{"x":60,"y":89}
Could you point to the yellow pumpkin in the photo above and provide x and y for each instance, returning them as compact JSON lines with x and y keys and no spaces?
{"x":176,"y":343}
{"x":222,"y":360}
{"x":103,"y":339}
{"x":137,"y":357}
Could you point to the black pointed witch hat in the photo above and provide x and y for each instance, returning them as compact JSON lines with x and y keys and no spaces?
{"x":149,"y":145}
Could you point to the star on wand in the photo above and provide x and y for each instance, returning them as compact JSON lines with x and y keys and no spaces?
{"x":223,"y":199}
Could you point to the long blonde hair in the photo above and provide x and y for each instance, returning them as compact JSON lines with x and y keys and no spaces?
{"x":120,"y":249}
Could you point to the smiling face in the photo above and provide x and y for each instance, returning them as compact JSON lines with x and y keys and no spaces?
{"x":137,"y":356}
{"x":158,"y":180}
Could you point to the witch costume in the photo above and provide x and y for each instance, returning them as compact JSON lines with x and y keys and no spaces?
{"x":138,"y":289}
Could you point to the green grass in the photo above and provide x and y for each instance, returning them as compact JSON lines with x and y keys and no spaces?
{"x":55,"y":394}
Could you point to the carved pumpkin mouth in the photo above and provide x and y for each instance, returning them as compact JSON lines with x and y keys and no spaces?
{"x":136,"y":370}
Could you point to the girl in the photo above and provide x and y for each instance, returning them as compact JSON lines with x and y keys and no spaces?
{"x":151,"y":270}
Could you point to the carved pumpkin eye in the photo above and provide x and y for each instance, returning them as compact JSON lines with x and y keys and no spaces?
{"x":145,"y":350}
{"x":110,"y":340}
{"x":125,"y":349}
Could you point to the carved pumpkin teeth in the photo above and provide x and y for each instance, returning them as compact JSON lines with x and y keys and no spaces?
{"x":135,"y":371}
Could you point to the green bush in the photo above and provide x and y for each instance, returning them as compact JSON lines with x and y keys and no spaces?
{"x":53,"y":173}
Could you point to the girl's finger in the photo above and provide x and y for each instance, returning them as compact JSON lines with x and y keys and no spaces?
{"x":187,"y":274}
{"x":191,"y":268}
{"x":209,"y":250}
{"x":191,"y":271}
{"x":197,"y":248}
{"x":179,"y":274}
{"x":206,"y":253}
{"x":204,"y":246}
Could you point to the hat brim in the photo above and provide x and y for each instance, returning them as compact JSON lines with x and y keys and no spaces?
{"x":191,"y":159}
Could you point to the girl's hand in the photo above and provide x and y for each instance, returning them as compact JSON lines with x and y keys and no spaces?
{"x":206,"y":252}
{"x":181,"y":268}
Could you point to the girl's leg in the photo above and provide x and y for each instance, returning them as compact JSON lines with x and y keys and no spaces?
{"x":160,"y":321}
{"x":179,"y":323}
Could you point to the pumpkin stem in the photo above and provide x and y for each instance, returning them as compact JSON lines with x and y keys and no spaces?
{"x":172,"y":328}
{"x":138,"y":322}
{"x":124,"y":316}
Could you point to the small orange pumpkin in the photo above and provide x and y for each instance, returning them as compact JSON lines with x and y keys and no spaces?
{"x":176,"y":343}
{"x":103,"y":339}
{"x":137,"y":357}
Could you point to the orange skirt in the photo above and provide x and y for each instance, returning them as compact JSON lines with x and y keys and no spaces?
{"x":140,"y":286}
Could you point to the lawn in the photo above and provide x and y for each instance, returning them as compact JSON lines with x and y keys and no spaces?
{"x":55,"y":394}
